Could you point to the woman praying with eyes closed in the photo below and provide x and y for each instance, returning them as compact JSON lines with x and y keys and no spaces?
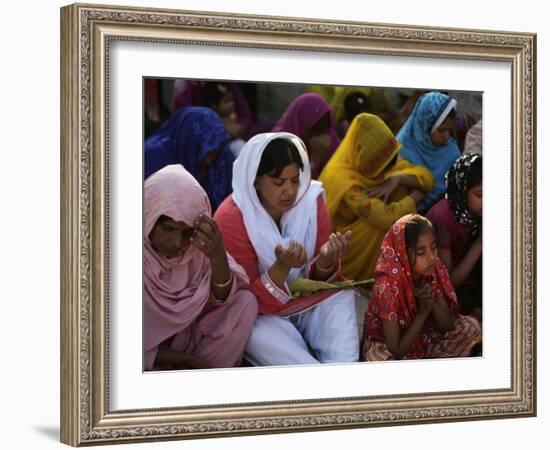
{"x":275,"y":224}
{"x":198,"y":312}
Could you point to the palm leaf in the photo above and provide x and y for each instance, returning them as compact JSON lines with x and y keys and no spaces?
{"x":304,"y":286}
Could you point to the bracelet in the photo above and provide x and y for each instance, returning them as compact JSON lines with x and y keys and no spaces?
{"x":223,"y":285}
{"x":327,"y":269}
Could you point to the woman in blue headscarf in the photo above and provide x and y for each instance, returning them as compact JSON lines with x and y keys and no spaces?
{"x":194,"y":137}
{"x":425,"y":139}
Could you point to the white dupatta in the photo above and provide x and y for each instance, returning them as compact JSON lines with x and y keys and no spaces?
{"x":298,"y":224}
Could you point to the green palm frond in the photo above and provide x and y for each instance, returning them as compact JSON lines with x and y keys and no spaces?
{"x":304,"y":286}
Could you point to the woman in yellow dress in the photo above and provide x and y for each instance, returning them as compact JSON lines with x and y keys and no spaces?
{"x":368,"y":187}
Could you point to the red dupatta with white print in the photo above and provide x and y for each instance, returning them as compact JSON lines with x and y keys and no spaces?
{"x":392,"y":296}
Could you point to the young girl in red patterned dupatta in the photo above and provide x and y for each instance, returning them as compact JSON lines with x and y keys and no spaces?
{"x":413,"y":309}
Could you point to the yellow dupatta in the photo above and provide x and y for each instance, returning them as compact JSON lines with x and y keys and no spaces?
{"x":368,"y":147}
{"x":359,"y":163}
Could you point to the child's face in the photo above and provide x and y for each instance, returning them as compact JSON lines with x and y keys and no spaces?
{"x":170,"y":238}
{"x":474,"y":200}
{"x":441,"y":134}
{"x":425,"y":255}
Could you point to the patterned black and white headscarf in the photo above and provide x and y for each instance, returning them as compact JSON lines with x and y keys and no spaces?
{"x":457,"y":186}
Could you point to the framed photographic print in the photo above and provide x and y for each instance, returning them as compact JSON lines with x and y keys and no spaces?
{"x":114,"y":57}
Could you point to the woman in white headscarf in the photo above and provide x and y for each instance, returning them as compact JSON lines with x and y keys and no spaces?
{"x":276,"y":225}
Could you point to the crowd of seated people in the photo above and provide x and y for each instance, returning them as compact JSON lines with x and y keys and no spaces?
{"x":344,"y":184}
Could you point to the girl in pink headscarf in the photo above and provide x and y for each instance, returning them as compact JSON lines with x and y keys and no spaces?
{"x":310,"y":118}
{"x":197,"y":310}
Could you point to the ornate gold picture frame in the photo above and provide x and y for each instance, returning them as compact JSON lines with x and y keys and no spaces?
{"x":87,"y":34}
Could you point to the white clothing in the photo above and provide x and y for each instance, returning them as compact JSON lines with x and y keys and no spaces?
{"x":326,"y":333}
{"x":299,"y":224}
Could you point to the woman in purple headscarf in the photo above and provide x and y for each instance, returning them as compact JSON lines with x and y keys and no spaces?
{"x":195,"y":138}
{"x":309,"y":117}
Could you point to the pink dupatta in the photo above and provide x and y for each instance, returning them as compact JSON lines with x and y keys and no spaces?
{"x":175,"y":290}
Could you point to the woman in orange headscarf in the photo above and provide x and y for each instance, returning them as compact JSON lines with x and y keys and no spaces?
{"x":368,"y":187}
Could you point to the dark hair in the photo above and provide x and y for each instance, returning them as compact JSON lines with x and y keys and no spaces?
{"x":278,"y":154}
{"x":212,"y":93}
{"x":356,"y":103}
{"x":475,"y":174}
{"x":163,"y":218}
{"x":416,"y":227}
{"x":451,"y":114}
